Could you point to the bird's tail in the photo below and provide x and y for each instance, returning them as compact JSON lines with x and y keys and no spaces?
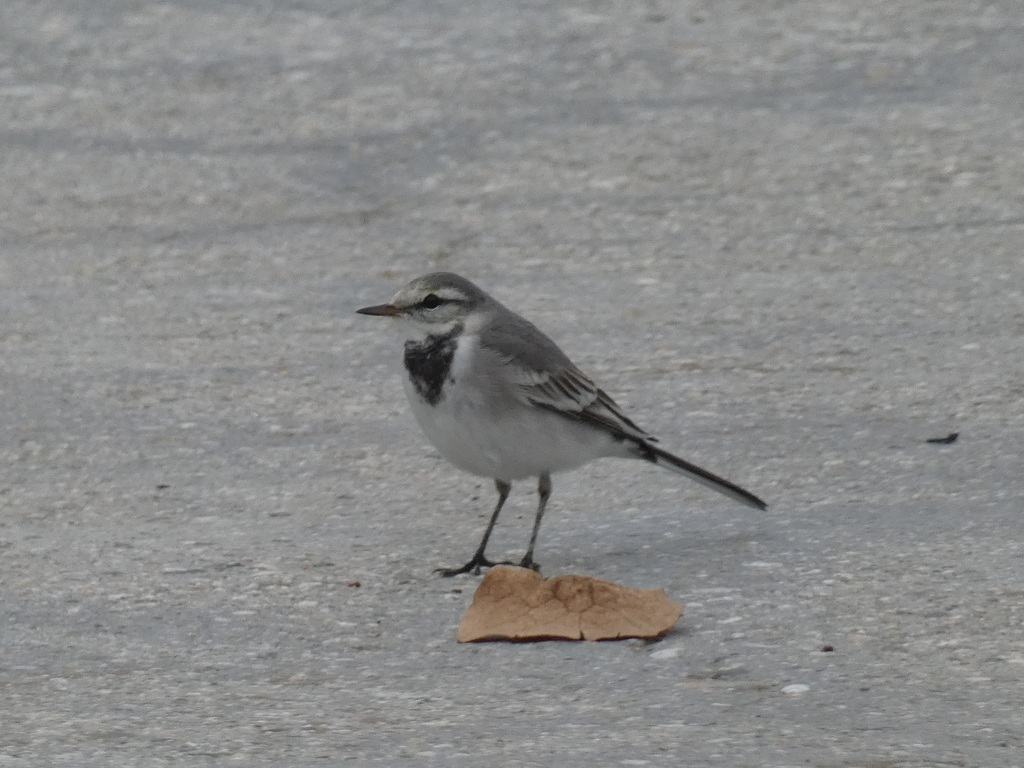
{"x":665,"y":459}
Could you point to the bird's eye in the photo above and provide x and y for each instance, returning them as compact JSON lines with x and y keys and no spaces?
{"x":431,"y":300}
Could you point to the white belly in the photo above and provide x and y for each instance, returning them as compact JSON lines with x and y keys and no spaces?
{"x":506,"y":443}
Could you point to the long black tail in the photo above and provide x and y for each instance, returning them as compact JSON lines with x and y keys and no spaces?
{"x":665,"y":459}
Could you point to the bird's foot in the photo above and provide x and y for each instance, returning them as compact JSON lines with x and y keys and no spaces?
{"x":529,"y":562}
{"x":474,"y":566}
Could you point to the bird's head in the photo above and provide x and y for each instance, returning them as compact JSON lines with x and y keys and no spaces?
{"x":434,"y":303}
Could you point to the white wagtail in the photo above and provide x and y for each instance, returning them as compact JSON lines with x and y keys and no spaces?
{"x":499,"y":399}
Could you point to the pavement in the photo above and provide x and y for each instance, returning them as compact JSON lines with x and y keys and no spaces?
{"x":786,"y":237}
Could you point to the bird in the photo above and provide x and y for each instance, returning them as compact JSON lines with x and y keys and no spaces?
{"x":499,"y":399}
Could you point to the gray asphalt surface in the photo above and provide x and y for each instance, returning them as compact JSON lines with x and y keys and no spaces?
{"x":786,"y":237}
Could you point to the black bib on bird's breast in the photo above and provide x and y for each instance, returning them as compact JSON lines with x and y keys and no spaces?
{"x":429,"y":361}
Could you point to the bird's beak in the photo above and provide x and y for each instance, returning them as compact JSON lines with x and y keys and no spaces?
{"x":381,"y":310}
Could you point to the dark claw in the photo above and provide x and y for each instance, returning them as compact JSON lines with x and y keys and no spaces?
{"x":529,"y":562}
{"x":474,"y":565}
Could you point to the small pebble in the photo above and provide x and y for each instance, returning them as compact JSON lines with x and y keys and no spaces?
{"x":672,"y":652}
{"x":796,"y":689}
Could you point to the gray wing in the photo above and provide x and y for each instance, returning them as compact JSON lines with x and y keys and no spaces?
{"x":542,"y":375}
{"x":568,"y":392}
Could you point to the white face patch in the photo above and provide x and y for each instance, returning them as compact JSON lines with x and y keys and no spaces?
{"x":416,"y":329}
{"x":435,"y":318}
{"x":450,"y":294}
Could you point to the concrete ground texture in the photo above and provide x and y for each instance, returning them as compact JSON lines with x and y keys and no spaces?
{"x":785,"y":236}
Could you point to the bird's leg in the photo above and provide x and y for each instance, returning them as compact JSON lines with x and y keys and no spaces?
{"x":479,"y":561}
{"x":544,"y":491}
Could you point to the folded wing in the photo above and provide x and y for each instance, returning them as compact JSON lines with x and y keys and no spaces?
{"x":570,"y":393}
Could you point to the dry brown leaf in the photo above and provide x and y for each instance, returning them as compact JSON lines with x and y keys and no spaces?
{"x":519,"y":604}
